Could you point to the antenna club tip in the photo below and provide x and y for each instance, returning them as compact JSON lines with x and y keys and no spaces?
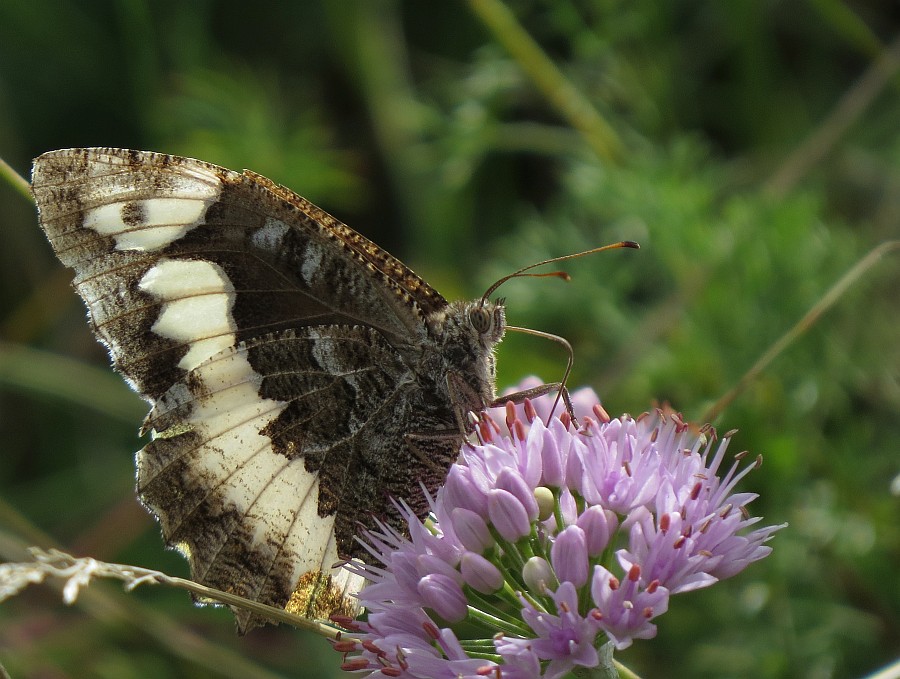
{"x":631,"y":244}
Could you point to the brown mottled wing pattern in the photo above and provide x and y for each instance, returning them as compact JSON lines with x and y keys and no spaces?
{"x":278,"y":349}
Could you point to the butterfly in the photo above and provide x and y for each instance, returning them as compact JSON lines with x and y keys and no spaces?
{"x":298,"y":376}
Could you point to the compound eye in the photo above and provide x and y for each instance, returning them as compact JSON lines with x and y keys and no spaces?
{"x":480,"y":318}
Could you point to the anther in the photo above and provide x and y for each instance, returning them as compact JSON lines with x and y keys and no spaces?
{"x":530,"y":412}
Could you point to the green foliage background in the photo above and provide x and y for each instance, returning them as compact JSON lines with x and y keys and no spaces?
{"x":752,"y":147}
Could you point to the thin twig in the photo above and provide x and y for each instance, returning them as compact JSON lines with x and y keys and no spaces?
{"x":848,"y":110}
{"x":559,"y":91}
{"x":103,"y":604}
{"x":807,"y":321}
{"x":78,"y":572}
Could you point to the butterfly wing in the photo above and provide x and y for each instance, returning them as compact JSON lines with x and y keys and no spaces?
{"x":274,"y":345}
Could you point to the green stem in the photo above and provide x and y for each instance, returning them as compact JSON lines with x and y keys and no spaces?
{"x":557,"y":511}
{"x":17,"y":181}
{"x":507,"y":594}
{"x":492,"y":622}
{"x":39,"y":372}
{"x":834,"y":127}
{"x":550,"y":81}
{"x":808,"y":320}
{"x":509,"y":549}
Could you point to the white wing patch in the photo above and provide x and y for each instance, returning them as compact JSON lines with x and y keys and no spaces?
{"x":284,"y":512}
{"x":323,"y":351}
{"x":197,"y":298}
{"x":150,"y":224}
{"x":311,"y":262}
{"x":269,"y":237}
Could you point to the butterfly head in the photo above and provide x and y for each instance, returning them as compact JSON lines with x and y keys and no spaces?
{"x":479,"y":324}
{"x":464,"y":335}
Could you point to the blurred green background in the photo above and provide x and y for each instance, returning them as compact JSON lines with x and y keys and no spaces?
{"x":752,"y":147}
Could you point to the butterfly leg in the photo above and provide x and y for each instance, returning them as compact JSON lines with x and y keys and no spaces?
{"x":465,"y":400}
{"x":541,"y":390}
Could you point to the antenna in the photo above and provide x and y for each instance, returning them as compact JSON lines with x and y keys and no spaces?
{"x":556,"y":274}
{"x":562,"y":392}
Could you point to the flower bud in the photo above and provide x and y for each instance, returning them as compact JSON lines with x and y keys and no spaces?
{"x":427,"y":564}
{"x":480,"y":574}
{"x":537,"y":574}
{"x":512,"y":481}
{"x":441,"y":594}
{"x":471,"y":530}
{"x":569,"y":556}
{"x":598,"y":524}
{"x":460,"y":491}
{"x":545,"y":501}
{"x":508,"y":515}
{"x":552,"y":461}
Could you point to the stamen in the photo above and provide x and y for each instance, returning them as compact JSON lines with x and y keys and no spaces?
{"x":519,"y":432}
{"x":485,"y":433}
{"x":530,"y":412}
{"x":601,"y":413}
{"x":345,"y":645}
{"x":344,"y":621}
{"x":695,"y":491}
{"x":431,"y":630}
{"x":511,"y":416}
{"x":370,"y":646}
{"x":355,"y":664}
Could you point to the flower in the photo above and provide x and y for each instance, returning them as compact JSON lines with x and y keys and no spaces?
{"x":550,"y":542}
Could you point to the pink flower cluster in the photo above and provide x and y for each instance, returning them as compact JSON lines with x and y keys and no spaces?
{"x":552,"y":541}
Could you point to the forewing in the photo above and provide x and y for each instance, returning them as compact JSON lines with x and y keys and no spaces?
{"x":132,"y":224}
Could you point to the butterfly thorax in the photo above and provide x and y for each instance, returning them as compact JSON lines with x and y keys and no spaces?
{"x":462,"y":337}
